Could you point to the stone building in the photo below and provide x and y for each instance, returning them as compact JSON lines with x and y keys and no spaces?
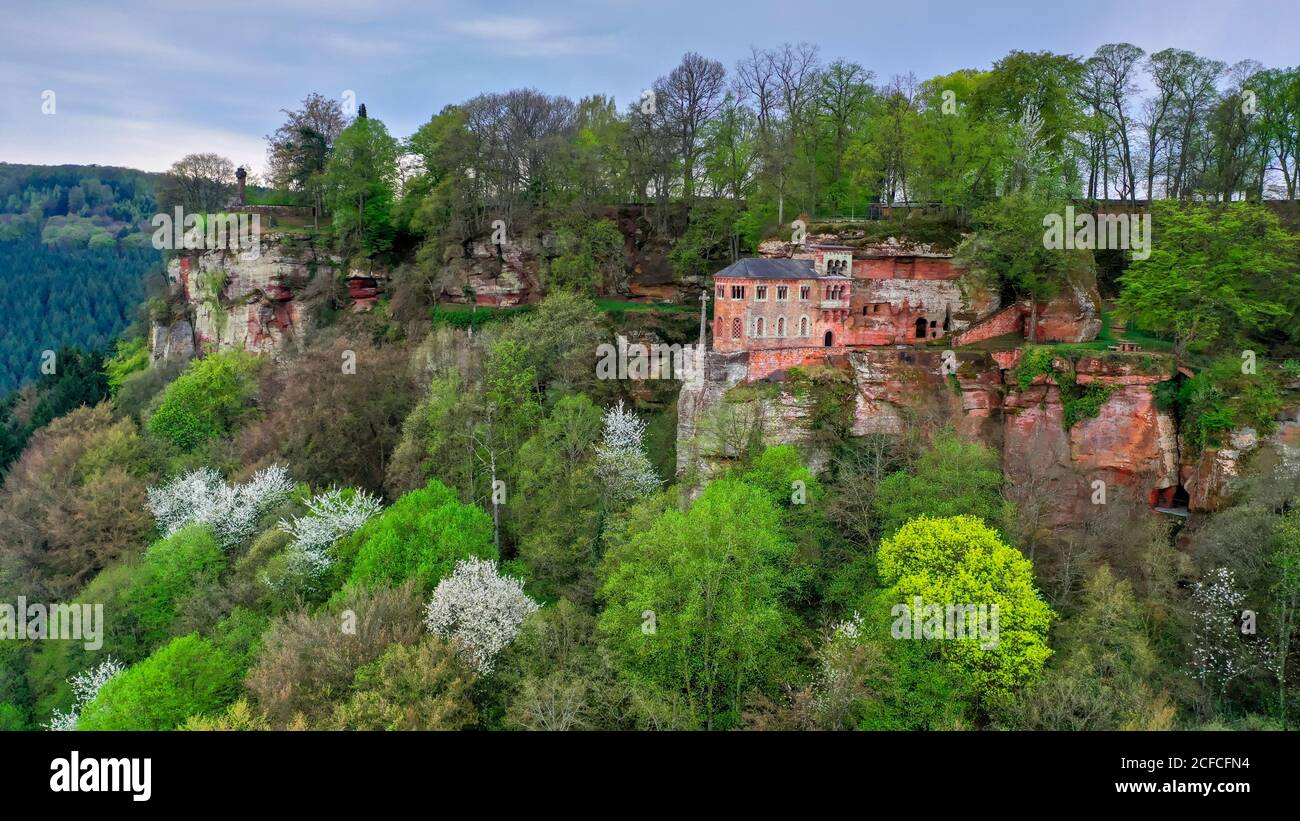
{"x":770,"y":304}
{"x":829,"y":298}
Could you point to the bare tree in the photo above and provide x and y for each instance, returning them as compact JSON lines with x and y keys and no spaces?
{"x":199,"y":183}
{"x":1114,"y":65}
{"x":300,"y":148}
{"x":689,"y":97}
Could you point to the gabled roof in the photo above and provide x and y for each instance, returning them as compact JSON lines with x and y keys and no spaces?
{"x":766,"y":268}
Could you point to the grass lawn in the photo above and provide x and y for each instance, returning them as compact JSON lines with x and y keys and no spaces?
{"x":612,"y":305}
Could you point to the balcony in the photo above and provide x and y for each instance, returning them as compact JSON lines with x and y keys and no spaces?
{"x":834,"y":304}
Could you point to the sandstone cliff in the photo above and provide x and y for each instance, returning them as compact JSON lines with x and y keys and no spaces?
{"x":1130,"y":443}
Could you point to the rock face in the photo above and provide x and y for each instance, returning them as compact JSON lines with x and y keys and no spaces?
{"x":488,"y":274}
{"x":243,"y":301}
{"x":1071,"y":317}
{"x":1130,"y":444}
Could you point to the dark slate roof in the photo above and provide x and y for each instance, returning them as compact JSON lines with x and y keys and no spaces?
{"x":765,"y":268}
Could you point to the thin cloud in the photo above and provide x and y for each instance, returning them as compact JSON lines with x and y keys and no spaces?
{"x":531,"y":37}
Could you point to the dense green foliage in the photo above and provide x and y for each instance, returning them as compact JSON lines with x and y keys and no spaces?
{"x":694,"y":608}
{"x":420,"y":537}
{"x":209,"y":400}
{"x":747,"y":584}
{"x":53,"y":297}
{"x":188,"y":676}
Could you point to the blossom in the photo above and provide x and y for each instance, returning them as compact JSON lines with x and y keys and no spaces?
{"x":479,"y":610}
{"x":331,"y":516}
{"x":621,"y":463}
{"x":201,"y":497}
{"x":85,"y":686}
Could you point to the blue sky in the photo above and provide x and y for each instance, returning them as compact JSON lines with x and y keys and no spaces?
{"x":142,"y":82}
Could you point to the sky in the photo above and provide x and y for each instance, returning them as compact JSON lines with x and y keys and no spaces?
{"x":141,"y":83}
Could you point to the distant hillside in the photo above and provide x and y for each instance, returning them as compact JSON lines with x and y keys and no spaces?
{"x":74,"y":249}
{"x":77,"y":205}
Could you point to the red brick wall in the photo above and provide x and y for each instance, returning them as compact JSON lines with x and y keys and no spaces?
{"x":1008,"y":320}
{"x":763,"y":363}
{"x":748,"y":309}
{"x":898,"y":268}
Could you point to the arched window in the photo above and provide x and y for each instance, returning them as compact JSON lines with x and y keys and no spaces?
{"x":803,"y":326}
{"x":829,"y":339}
{"x":736,"y":326}
{"x":920,"y":328}
{"x":758,"y":326}
{"x":780,"y":326}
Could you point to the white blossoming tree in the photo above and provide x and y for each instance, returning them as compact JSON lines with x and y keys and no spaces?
{"x":478,"y":610}
{"x":621,"y":463}
{"x":201,"y":497}
{"x":331,"y":516}
{"x":1219,"y":652}
{"x":85,"y":686}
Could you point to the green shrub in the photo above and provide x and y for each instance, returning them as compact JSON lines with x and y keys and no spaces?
{"x":189,"y":676}
{"x":420,"y":536}
{"x":131,"y":355}
{"x":210,"y":400}
{"x":12,"y":717}
{"x":1221,"y":399}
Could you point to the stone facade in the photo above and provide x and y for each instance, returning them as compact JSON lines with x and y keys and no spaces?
{"x":764,"y":304}
{"x":834,"y":298}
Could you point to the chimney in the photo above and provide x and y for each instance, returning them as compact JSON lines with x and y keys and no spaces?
{"x":242,"y":176}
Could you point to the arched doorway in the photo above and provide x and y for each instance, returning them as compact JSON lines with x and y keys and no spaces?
{"x":920,"y":328}
{"x":829,"y":340}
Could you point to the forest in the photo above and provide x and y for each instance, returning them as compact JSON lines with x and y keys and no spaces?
{"x":433,"y":515}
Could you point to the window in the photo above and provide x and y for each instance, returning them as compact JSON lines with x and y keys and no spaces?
{"x":735,"y":328}
{"x":782,"y":293}
{"x":722,"y":291}
{"x":804,"y":291}
{"x":803,"y":326}
{"x":758,"y":326}
{"x":760,"y":293}
{"x":737,"y":291}
{"x":780,"y":326}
